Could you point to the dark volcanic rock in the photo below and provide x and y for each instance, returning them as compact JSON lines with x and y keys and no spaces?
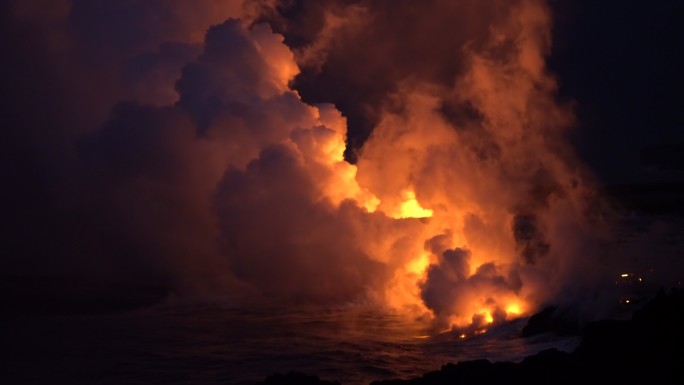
{"x":649,"y":349}
{"x":542,"y":368}
{"x":295,"y":378}
{"x":551,"y":320}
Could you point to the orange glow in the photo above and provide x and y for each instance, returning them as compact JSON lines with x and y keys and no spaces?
{"x":468,"y":265}
{"x":487,"y":316}
{"x":474,"y":187}
{"x":450,"y":150}
{"x":328,"y":150}
{"x":513,"y":309}
{"x":404,"y":292}
{"x":418,"y":265}
{"x":347,"y":188}
{"x":410,"y":208}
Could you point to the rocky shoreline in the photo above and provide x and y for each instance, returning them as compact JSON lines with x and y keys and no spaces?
{"x":647,"y":349}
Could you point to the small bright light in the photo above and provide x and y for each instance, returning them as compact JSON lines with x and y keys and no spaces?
{"x":624,"y":275}
{"x":626,"y":301}
{"x":462,"y":336}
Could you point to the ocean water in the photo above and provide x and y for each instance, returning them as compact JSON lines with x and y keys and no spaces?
{"x":217,"y":344}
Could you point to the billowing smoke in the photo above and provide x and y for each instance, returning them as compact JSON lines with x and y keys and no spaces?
{"x":175,"y":146}
{"x":465,"y":119}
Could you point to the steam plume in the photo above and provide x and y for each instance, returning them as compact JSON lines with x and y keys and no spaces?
{"x":191,"y":157}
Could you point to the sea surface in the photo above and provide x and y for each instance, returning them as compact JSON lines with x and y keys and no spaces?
{"x":217,"y":344}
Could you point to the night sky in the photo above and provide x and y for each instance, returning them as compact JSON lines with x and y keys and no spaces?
{"x":622,"y":64}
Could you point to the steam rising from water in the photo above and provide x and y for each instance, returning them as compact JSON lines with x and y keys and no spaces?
{"x":464,"y":205}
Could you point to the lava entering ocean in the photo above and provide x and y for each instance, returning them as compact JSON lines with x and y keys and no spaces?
{"x":463,"y":205}
{"x":475,"y":219}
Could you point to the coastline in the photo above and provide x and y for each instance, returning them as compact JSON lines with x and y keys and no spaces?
{"x":646,"y":349}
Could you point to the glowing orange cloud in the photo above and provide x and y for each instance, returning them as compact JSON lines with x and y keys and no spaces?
{"x":464,"y":205}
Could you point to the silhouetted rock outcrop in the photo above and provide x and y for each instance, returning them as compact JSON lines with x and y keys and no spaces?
{"x":551,"y":320}
{"x":547,"y":367}
{"x":648,"y":349}
{"x":296,"y":378}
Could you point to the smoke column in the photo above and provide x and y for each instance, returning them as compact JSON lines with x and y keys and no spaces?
{"x":177,"y":147}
